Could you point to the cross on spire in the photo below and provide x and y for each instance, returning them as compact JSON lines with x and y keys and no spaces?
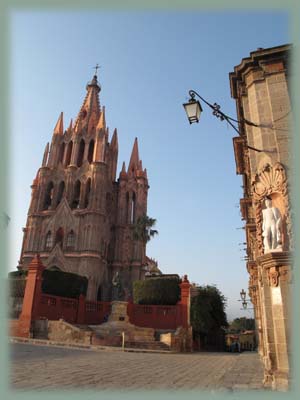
{"x":96,"y":67}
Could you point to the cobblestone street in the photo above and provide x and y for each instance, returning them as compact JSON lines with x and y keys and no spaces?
{"x":48,"y":367}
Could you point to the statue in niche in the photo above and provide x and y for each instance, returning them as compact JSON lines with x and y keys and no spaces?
{"x":272,"y":227}
{"x":117,"y":290}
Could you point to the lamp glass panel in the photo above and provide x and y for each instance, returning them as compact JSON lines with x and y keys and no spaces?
{"x":192,"y":110}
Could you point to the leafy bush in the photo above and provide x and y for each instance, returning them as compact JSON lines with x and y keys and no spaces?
{"x":158,"y":290}
{"x":63,"y":284}
{"x":55,"y":282}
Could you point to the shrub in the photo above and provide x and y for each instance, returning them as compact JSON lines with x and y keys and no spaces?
{"x":55,"y":282}
{"x":158,"y":290}
{"x":63,"y":284}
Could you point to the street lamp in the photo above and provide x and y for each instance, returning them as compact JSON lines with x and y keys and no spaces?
{"x":244,"y":301}
{"x":193,"y":111}
{"x":243,"y":295}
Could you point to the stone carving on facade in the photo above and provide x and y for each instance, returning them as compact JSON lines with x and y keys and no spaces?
{"x":273,"y":276}
{"x":270,"y":180}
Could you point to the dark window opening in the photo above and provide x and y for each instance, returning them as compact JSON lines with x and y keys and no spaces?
{"x":69,"y":154}
{"x":48,"y":196}
{"x":87,"y":193}
{"x":91,"y":151}
{"x":59,"y":237}
{"x":48,"y":242}
{"x":61,"y":189}
{"x":76,"y":197}
{"x":80,"y":153}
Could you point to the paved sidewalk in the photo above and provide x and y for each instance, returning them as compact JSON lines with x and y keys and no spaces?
{"x":46,"y":367}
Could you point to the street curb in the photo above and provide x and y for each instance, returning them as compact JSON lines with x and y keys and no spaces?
{"x":78,"y":346}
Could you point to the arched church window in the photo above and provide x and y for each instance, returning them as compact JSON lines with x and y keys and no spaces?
{"x":61,"y":152}
{"x":61,"y":189}
{"x":132,"y":209}
{"x":48,"y":241}
{"x":76,"y":196}
{"x":71,"y":240}
{"x":91,"y":151}
{"x":80,"y":153}
{"x":87,"y":193}
{"x":48,"y":196}
{"x":59,"y":237}
{"x":69,"y":153}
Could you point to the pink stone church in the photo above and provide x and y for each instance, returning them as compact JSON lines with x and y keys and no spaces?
{"x":80,"y":216}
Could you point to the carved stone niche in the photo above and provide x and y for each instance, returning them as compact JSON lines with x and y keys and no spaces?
{"x":271,"y":181}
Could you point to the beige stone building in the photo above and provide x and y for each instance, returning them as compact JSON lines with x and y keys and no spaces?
{"x":260,"y":86}
{"x":80,"y":217}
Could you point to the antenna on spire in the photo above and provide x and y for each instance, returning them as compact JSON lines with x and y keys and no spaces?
{"x":96,"y":68}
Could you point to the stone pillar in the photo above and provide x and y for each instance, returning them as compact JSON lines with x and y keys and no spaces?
{"x":74,"y":154}
{"x":276,"y":277}
{"x":32,"y":296}
{"x":185,"y":302}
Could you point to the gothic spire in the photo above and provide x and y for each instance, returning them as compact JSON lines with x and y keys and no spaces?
{"x":70,"y":126}
{"x":134,"y":159}
{"x":90,"y":110}
{"x":101,"y":123}
{"x":59,"y":127}
{"x":123,"y":173}
{"x":114,"y":140}
{"x":45,"y":157}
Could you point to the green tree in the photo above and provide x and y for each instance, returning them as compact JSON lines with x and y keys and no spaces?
{"x":142,"y":229}
{"x":208,"y":310}
{"x":159,"y":290}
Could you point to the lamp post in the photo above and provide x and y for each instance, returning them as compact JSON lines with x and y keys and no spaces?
{"x":193,"y":111}
{"x":244,"y":300}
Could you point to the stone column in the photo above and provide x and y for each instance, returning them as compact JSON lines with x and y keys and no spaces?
{"x":276,"y":276}
{"x":32,"y":295}
{"x":185,"y":302}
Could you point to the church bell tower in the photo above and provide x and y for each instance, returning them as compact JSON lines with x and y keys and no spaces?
{"x":80,"y":217}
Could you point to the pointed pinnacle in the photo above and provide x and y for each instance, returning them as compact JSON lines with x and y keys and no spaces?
{"x":114,"y":140}
{"x":101,"y":122}
{"x":134,"y":159}
{"x":59,"y":127}
{"x":123,"y":173}
{"x":71,"y":125}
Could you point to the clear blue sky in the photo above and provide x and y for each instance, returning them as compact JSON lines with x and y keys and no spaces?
{"x":149,"y":61}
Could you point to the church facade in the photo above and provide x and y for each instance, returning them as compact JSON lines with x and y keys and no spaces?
{"x":80,"y":216}
{"x":260,"y":86}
